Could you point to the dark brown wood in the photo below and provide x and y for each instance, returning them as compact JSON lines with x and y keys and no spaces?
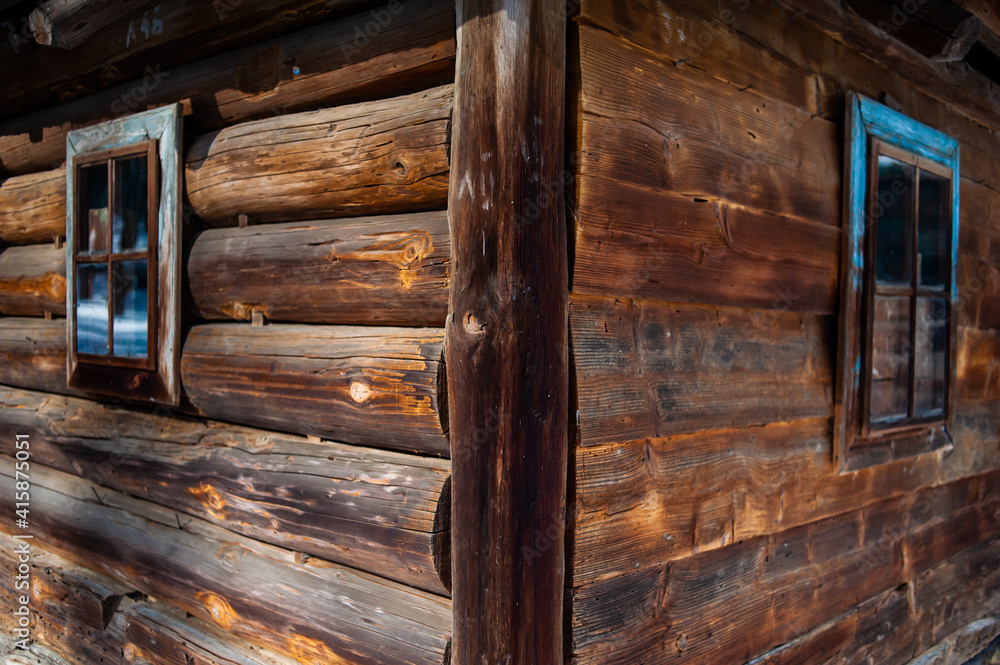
{"x":415,"y":51}
{"x":114,"y":43}
{"x":507,"y":333}
{"x":33,"y":208}
{"x":377,"y":386}
{"x":385,"y":513}
{"x":32,"y":280}
{"x":653,"y":369}
{"x":370,"y":158}
{"x":389,"y":270}
{"x":34,"y":354}
{"x":313,"y":611}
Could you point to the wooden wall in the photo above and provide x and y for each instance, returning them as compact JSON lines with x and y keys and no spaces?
{"x":708,"y":521}
{"x":296,"y":506}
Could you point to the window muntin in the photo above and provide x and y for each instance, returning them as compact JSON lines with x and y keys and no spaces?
{"x":117,"y":196}
{"x":123,"y":231}
{"x":897,"y":336}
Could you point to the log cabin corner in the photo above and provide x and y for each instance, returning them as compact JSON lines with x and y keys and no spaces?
{"x":500,"y":332}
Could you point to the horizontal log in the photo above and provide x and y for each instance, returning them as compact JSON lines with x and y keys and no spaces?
{"x":33,"y":208}
{"x":320,"y":66}
{"x":375,"y":386}
{"x":382,"y":270}
{"x":33,"y":280}
{"x":731,"y":605}
{"x":368,"y":158}
{"x":978,"y":366}
{"x":641,"y":242}
{"x":648,"y":369}
{"x":34,"y":354}
{"x":311,"y":611}
{"x":381,"y":512}
{"x":639,"y":125}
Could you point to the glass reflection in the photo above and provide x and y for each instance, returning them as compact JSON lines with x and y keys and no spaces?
{"x":895,"y":220}
{"x":130,"y":330}
{"x":890,"y":385}
{"x":930,"y":359}
{"x":93,"y":233}
{"x":92,"y":308}
{"x":933,"y":230}
{"x":130,"y":227}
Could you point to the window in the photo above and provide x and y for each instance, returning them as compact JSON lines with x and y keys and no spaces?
{"x":896,"y":388}
{"x":122,"y":250}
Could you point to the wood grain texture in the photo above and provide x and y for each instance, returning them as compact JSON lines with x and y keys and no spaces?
{"x":370,"y":158}
{"x":377,"y":386}
{"x":33,"y":207}
{"x":638,"y":125}
{"x":735,"y":603}
{"x":381,"y":512}
{"x":34,"y":354}
{"x":389,"y":270}
{"x":33,"y":280}
{"x":415,"y":50}
{"x":312,"y":611}
{"x":85,"y":617}
{"x":113,"y":44}
{"x":652,"y":369}
{"x":506,"y":334}
{"x":650,"y":243}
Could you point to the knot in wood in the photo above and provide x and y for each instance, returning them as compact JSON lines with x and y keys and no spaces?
{"x":360,"y":392}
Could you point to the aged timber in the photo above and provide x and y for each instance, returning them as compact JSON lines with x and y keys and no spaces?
{"x":390,"y":270}
{"x":377,"y":157}
{"x":33,"y":207}
{"x":33,"y":280}
{"x":381,"y":512}
{"x":313,"y":610}
{"x":378,"y":386}
{"x":506,"y":350}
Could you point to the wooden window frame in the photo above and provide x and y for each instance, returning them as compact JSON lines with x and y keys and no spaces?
{"x":873,"y":130}
{"x":157,"y":134}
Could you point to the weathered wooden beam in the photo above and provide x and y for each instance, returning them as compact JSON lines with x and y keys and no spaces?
{"x":507,"y":332}
{"x":66,"y":23}
{"x":389,"y":270}
{"x":311,"y":611}
{"x":33,"y":280}
{"x":325,"y":65}
{"x":377,"y":386}
{"x":376,"y":157}
{"x":34,"y":354}
{"x":33,"y":207}
{"x":381,"y":512}
{"x":113,"y":43}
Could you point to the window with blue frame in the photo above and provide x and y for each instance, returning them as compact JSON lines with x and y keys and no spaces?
{"x":897,"y":337}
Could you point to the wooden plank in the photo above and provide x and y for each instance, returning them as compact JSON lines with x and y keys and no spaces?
{"x":377,"y":386}
{"x":507,"y":332}
{"x":978,"y":365}
{"x":389,"y":270}
{"x":654,"y":369}
{"x":114,"y":44}
{"x":257,"y":592}
{"x":34,"y":354}
{"x":33,"y":280}
{"x":639,"y":125}
{"x":646,"y":243}
{"x":372,"y":158}
{"x":415,"y":51}
{"x":381,"y":512}
{"x":33,"y":207}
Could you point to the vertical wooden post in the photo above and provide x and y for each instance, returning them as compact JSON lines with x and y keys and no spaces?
{"x":506,"y":335}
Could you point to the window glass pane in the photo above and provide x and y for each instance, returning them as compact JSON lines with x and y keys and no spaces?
{"x":930,"y":357}
{"x":894,"y":208}
{"x":92,"y":308}
{"x":890,"y":391}
{"x":934,"y":229}
{"x":130,"y":308}
{"x":130,"y":229}
{"x":93,"y":221}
